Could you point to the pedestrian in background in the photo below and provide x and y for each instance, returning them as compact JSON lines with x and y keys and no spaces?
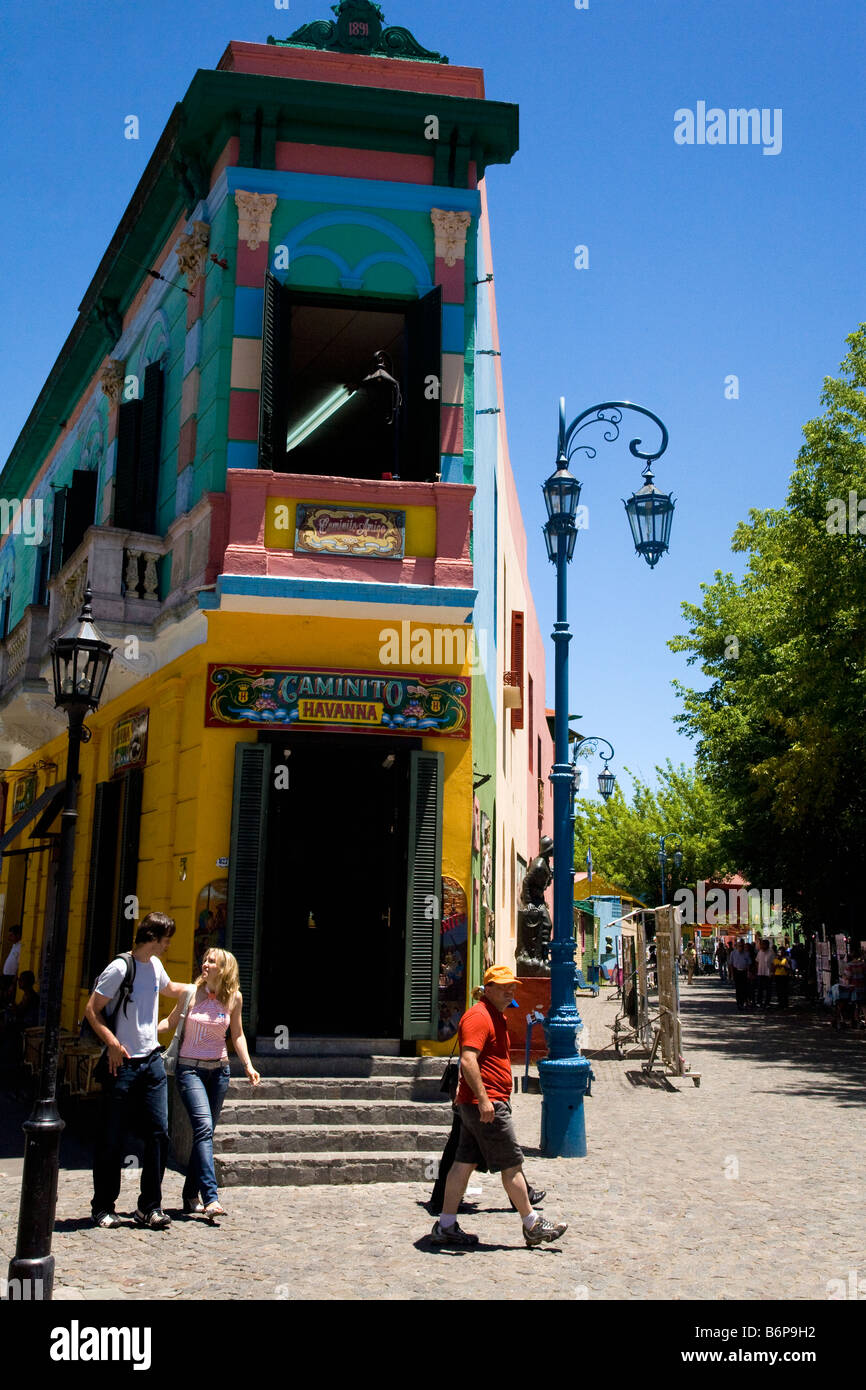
{"x":740,"y":962}
{"x":765,"y":975}
{"x":782,"y":974}
{"x":691,"y":959}
{"x":722,"y":961}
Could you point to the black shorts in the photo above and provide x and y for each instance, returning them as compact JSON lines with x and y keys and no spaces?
{"x":494,"y":1144}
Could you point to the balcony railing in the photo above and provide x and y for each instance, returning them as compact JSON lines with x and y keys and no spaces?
{"x":437,"y":534}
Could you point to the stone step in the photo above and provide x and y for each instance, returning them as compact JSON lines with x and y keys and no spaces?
{"x":241,"y":1139}
{"x":267,"y":1113}
{"x":406,"y":1088}
{"x":338,"y":1065}
{"x":307,"y":1169}
{"x":301,"y":1046}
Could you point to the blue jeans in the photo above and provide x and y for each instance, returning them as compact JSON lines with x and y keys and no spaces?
{"x":202,"y":1091}
{"x":135,"y":1098}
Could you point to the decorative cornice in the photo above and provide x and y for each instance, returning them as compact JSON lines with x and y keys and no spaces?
{"x":192,"y":253}
{"x":111,"y":379}
{"x":450,"y":229}
{"x":359,"y":28}
{"x":254,"y":217}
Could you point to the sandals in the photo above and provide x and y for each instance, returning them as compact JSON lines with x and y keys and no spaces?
{"x":214,"y":1209}
{"x":192,"y":1206}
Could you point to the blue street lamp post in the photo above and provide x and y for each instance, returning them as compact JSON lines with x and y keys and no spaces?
{"x":564,"y":1074}
{"x":663,"y":857}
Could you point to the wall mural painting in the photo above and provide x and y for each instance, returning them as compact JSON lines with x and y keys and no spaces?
{"x":210,"y":918}
{"x":452,"y":958}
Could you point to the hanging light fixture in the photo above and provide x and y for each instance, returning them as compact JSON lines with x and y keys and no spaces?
{"x":383,"y":389}
{"x":561,"y":496}
{"x":650,"y":513}
{"x":606,"y":782}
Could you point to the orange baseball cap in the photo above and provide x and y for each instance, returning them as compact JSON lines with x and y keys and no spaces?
{"x":500,"y":975}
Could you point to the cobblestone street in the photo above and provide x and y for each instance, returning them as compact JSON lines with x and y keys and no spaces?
{"x":743,"y":1187}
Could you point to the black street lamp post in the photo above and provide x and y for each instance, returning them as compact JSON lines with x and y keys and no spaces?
{"x":80,"y":667}
{"x":663,"y":857}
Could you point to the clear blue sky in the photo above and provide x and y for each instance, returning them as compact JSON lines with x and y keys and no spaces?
{"x":704,"y":261}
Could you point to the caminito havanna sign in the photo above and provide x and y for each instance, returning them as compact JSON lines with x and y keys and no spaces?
{"x":257,"y":697}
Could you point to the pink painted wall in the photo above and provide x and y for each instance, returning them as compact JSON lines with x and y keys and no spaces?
{"x":245,"y":552}
{"x":359,"y":70}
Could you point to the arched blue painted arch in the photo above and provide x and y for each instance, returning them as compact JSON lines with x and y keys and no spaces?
{"x":408,"y":257}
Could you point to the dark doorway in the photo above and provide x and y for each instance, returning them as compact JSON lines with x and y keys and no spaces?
{"x":333,"y":929}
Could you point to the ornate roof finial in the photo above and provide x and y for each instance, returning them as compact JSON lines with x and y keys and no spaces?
{"x":359,"y":28}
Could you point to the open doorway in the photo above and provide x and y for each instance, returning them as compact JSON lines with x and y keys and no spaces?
{"x":335,"y":886}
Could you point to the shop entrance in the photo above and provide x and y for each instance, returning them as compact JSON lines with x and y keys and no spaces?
{"x":333,"y":926}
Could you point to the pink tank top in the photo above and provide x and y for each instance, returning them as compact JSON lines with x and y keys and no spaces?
{"x":204,"y":1035}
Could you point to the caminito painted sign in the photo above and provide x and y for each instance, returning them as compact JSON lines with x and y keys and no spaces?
{"x":256,"y":697}
{"x":350,"y":531}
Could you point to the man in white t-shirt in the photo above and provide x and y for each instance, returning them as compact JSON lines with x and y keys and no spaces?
{"x":135,"y":1091}
{"x":10,"y":967}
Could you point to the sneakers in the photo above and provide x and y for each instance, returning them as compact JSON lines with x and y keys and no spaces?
{"x":451,"y":1236}
{"x":536,"y":1197}
{"x":544,"y":1231}
{"x":107,"y":1220}
{"x":155,"y":1220}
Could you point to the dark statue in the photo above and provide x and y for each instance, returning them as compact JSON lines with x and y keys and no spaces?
{"x":535,"y":926}
{"x":359,"y":28}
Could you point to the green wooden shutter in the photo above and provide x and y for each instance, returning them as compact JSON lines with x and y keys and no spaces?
{"x":247,"y":869}
{"x":147,"y":474}
{"x":58,"y":521}
{"x":100,"y":889}
{"x":126,"y":465}
{"x":80,"y":510}
{"x":424,"y":896}
{"x":274,"y":394}
{"x":127,"y":883}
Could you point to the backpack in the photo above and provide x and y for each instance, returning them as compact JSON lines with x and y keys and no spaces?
{"x":118,"y":1001}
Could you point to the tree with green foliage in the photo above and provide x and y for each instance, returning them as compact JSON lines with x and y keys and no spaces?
{"x":624,"y":835}
{"x":780,"y":727}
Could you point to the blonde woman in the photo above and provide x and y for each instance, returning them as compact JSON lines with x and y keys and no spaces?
{"x":203,"y":1072}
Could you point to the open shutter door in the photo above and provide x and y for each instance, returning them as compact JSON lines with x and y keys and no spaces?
{"x":100,"y":891}
{"x":424,"y":896}
{"x":130,"y":829}
{"x":80,"y":510}
{"x":419,"y":451}
{"x":126,"y":466}
{"x":517,"y":666}
{"x":147,"y":474}
{"x":274,"y":394}
{"x":247,"y":869}
{"x":58,"y":521}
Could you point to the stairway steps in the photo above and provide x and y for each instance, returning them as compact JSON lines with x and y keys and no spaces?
{"x":291,"y":1064}
{"x":340,"y":1088}
{"x":355,"y":1112}
{"x":308,"y":1169}
{"x":291,"y":1139}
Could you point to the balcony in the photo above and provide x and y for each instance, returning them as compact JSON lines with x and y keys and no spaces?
{"x":265,"y":539}
{"x":122,"y":569}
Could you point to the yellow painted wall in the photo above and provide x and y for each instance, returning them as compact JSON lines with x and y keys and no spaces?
{"x":187,"y":790}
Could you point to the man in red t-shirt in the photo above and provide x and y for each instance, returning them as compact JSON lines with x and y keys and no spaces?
{"x":487,"y":1130}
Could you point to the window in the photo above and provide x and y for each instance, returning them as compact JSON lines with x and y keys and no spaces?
{"x":517,"y":665}
{"x":139,"y":442}
{"x":529,"y":720}
{"x":74,"y":512}
{"x":5,"y":612}
{"x":323,"y":411}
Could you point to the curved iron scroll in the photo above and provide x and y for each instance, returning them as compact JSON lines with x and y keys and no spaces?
{"x":567,"y":448}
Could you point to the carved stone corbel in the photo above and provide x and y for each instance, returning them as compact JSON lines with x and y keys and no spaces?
{"x":112,"y":378}
{"x":192,"y":253}
{"x":450,"y":229}
{"x":254,"y":217}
